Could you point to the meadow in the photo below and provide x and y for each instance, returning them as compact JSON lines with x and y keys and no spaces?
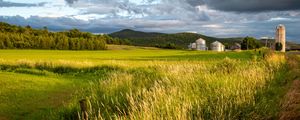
{"x":142,"y":83}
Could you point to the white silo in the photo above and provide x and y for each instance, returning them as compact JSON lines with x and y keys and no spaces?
{"x":217,"y":46}
{"x":201,"y":44}
{"x":280,"y":36}
{"x":190,"y":46}
{"x":194,"y":46}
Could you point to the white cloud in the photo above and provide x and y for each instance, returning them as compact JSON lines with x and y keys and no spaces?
{"x":88,"y":17}
{"x":280,"y":19}
{"x":213,"y":26}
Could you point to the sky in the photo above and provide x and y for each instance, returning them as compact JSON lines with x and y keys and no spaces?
{"x":218,"y":18}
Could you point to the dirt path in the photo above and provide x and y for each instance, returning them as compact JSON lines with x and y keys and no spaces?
{"x":290,"y":107}
{"x":3,"y":118}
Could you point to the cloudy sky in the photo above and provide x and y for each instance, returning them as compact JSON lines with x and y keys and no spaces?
{"x":220,"y":18}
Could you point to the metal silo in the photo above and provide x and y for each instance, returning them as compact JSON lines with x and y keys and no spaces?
{"x":201,"y":44}
{"x":194,"y":46}
{"x":217,"y":46}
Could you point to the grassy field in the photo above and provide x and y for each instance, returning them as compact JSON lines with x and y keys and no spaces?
{"x":127,"y":55}
{"x":141,"y":83}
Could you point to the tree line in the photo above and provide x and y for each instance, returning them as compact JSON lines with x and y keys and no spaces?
{"x":17,"y":37}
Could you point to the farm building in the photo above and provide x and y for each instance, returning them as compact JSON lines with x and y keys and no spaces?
{"x":217,"y":46}
{"x":236,"y":46}
{"x":199,"y":44}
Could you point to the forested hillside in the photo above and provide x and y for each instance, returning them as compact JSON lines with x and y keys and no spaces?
{"x":179,"y":40}
{"x":17,"y":37}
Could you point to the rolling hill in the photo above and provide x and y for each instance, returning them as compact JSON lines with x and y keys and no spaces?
{"x":178,"y":40}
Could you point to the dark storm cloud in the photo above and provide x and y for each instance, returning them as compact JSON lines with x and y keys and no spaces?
{"x":71,"y":1}
{"x":253,"y":5}
{"x":195,"y":2}
{"x":14,"y":4}
{"x":94,"y":26}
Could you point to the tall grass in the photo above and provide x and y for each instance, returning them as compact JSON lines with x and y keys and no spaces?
{"x":229,"y":89}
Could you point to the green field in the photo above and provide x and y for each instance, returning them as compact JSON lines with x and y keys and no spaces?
{"x":141,"y":83}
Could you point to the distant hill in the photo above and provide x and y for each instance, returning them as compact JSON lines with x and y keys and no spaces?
{"x":293,"y":46}
{"x":178,"y":40}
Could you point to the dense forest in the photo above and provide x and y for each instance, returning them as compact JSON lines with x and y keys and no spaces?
{"x":170,"y":41}
{"x":17,"y":37}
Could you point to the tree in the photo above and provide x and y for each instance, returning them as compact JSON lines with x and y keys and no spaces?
{"x":83,"y":44}
{"x":72,"y":44}
{"x":45,"y":30}
{"x":250,"y":43}
{"x":8,"y":43}
{"x":278,"y":46}
{"x":90,"y":45}
{"x":28,"y":27}
{"x":226,"y":46}
{"x":51,"y":42}
{"x":65,"y":44}
{"x":170,"y":46}
{"x":99,"y":44}
{"x":78,"y":45}
{"x":1,"y":44}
